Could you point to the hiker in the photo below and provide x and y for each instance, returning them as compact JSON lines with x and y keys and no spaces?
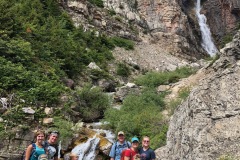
{"x":52,"y":146}
{"x":146,"y":153}
{"x":119,"y":146}
{"x":131,"y":153}
{"x":34,"y":150}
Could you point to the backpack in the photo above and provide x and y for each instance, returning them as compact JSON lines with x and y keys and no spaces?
{"x":116,"y":145}
{"x":32,"y":152}
{"x":128,"y":146}
{"x":123,"y":153}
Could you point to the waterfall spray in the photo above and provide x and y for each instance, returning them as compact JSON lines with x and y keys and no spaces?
{"x":207,"y":42}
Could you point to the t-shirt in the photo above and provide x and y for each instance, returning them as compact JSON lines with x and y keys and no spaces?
{"x":52,"y":150}
{"x":38,"y":151}
{"x":147,"y":155}
{"x":117,"y":149}
{"x":130,"y":153}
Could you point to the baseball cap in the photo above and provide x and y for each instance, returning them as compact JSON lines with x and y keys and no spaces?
{"x":120,"y":133}
{"x":135,"y":139}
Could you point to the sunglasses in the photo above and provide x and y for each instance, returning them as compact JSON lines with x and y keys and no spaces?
{"x":55,"y":132}
{"x":146,"y":141}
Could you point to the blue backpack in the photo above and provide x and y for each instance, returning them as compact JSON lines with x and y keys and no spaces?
{"x":32,"y":152}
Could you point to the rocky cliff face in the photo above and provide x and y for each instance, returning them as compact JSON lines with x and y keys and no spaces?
{"x":206,"y":125}
{"x":223,"y":17}
{"x":160,"y":22}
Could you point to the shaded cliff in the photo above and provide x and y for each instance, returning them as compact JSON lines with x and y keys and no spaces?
{"x":206,"y":125}
{"x":223,"y":17}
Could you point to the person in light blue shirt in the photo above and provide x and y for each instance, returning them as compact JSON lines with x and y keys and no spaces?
{"x":119,"y":146}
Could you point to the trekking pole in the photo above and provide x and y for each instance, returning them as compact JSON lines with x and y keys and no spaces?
{"x":59,"y":149}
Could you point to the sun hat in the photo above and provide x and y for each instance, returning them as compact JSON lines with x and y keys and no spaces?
{"x":135,"y":139}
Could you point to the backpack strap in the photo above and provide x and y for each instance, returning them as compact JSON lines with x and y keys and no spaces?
{"x":34,"y":146}
{"x":128,"y":144}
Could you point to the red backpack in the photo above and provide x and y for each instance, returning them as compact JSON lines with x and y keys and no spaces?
{"x":123,"y":153}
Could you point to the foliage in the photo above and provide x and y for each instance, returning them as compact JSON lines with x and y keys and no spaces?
{"x":39,"y":46}
{"x":123,"y":70}
{"x":111,"y":12}
{"x":154,"y":79}
{"x":98,"y":3}
{"x":91,"y":102}
{"x":216,"y":57}
{"x":140,"y":115}
{"x":182,"y":95}
{"x":226,"y":157}
{"x":64,"y":127}
{"x":226,"y":39}
{"x":99,"y":74}
{"x":121,"y":42}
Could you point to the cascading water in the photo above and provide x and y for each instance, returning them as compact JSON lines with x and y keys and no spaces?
{"x":207,"y":42}
{"x":87,"y":150}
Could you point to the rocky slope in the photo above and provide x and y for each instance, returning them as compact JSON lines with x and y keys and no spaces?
{"x":206,"y":126}
{"x":160,"y":22}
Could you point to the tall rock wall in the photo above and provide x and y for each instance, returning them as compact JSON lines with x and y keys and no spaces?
{"x":206,"y":125}
{"x":160,"y":22}
{"x":223,"y":17}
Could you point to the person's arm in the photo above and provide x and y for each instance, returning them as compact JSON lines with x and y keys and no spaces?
{"x":112,"y":152}
{"x":126,"y":158}
{"x":28,"y":152}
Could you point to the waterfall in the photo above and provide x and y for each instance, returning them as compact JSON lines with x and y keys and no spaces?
{"x":207,"y":42}
{"x":89,"y":149}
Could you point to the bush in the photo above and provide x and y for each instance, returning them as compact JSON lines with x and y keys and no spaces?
{"x":123,"y":70}
{"x":91,"y":102}
{"x":154,"y":79}
{"x":65,"y":129}
{"x":98,"y":3}
{"x":121,"y":42}
{"x":140,"y":115}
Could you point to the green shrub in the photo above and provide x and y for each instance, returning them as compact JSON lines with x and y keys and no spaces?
{"x":98,"y":3}
{"x":121,"y":42}
{"x":226,"y":157}
{"x":91,"y":102}
{"x":214,"y":59}
{"x":111,"y":12}
{"x":140,"y":115}
{"x":65,"y":129}
{"x":97,"y":74}
{"x":154,"y":79}
{"x":182,"y":95}
{"x":123,"y":70}
{"x":226,"y":39}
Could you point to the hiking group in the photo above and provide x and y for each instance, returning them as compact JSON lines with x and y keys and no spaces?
{"x":42,"y":149}
{"x":124,"y":150}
